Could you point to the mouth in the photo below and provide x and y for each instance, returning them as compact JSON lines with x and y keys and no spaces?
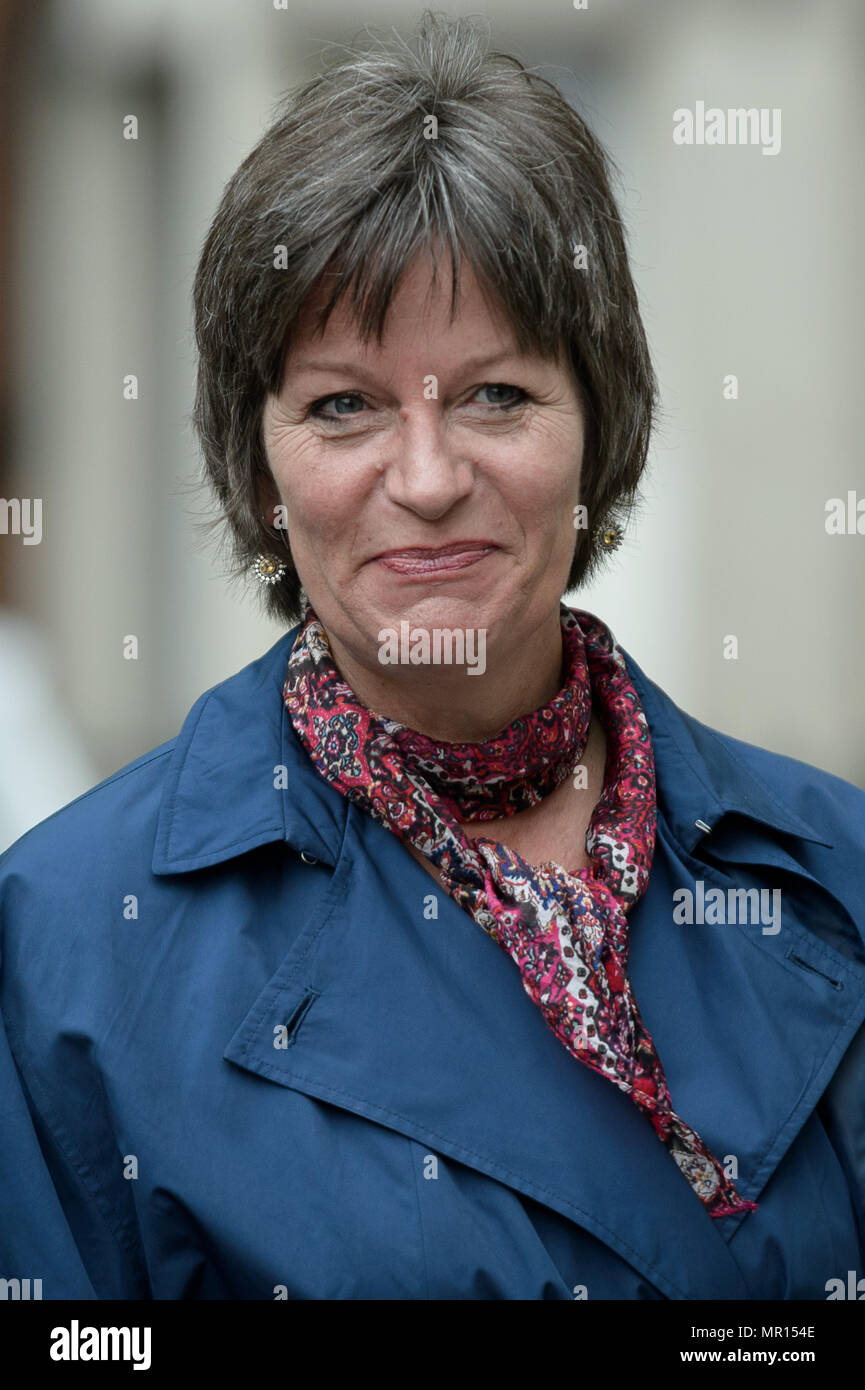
{"x":424,"y":561}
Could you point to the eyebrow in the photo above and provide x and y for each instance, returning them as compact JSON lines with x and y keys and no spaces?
{"x":323,"y":365}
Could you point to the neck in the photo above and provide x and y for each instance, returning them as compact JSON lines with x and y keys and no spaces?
{"x":451,"y":706}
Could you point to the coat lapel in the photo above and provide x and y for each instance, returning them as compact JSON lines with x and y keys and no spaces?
{"x":750,"y":1024}
{"x":422,"y":1025}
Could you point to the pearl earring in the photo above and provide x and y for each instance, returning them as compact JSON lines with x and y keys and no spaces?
{"x":268,"y":569}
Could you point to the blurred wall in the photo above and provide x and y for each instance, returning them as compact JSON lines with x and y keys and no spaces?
{"x":746,"y":264}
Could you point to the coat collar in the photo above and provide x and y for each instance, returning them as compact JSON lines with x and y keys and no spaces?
{"x":239,"y":778}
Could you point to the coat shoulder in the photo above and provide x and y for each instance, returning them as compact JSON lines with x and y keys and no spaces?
{"x":120,"y":805}
{"x":118,"y":815}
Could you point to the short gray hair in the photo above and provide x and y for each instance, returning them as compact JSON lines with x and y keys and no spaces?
{"x":346,"y":181}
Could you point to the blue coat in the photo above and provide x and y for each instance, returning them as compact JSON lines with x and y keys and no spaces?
{"x":251,"y":1051}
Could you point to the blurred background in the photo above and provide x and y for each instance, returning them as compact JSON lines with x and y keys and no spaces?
{"x":745,"y":263}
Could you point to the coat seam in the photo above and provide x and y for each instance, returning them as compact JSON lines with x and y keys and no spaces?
{"x":412,"y":1143}
{"x":120,"y":1229}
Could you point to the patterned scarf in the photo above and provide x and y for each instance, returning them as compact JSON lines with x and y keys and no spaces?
{"x":566,"y":931}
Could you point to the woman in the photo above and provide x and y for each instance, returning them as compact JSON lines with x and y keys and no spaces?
{"x":265,"y":988}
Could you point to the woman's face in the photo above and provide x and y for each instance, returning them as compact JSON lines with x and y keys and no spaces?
{"x":444,"y":438}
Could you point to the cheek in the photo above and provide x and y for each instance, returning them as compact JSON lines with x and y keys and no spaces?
{"x":322,"y":501}
{"x":554,"y":464}
{"x":548,"y":521}
{"x":546,"y":506}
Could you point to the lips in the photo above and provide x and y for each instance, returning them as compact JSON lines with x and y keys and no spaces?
{"x":424,"y":560}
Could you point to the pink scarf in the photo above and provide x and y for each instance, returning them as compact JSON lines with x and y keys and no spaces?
{"x":566,"y":931}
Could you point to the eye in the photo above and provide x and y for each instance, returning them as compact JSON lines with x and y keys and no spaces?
{"x":345,"y":405}
{"x":317,"y":408}
{"x":517,"y":391}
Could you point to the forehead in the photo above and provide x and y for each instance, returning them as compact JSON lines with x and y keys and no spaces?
{"x":420,"y":301}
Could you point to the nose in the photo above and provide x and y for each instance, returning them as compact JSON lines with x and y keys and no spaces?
{"x":426,"y":474}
